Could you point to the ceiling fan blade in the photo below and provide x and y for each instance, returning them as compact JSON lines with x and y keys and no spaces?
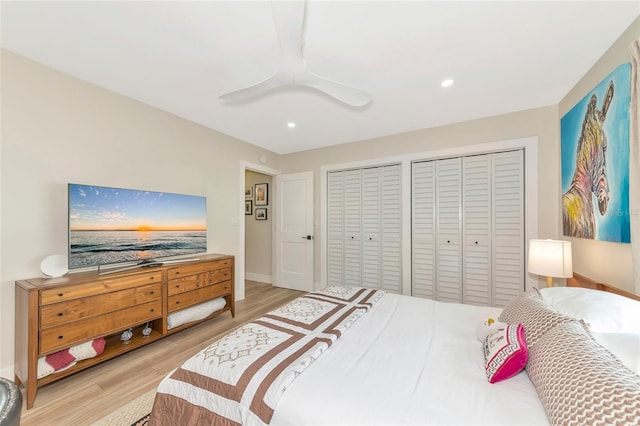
{"x":347,"y":94}
{"x":289,"y":20}
{"x":254,"y":90}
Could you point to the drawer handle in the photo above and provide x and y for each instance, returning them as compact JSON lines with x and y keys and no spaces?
{"x":178,"y":286}
{"x":60,"y":294}
{"x":178,"y":302}
{"x":60,"y":314}
{"x":476,"y":242}
{"x":60,"y":337}
{"x":151,"y":277}
{"x":152,"y":292}
{"x":152,"y":310}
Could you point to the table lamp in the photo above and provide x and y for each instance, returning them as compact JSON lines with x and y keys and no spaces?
{"x":551,"y":258}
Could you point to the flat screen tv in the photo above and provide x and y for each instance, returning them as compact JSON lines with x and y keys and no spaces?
{"x":115,"y":225}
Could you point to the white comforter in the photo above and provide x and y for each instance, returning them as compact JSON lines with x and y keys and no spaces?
{"x":411,"y":362}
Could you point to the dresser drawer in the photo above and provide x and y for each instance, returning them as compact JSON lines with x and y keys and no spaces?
{"x":218,"y":276}
{"x":69,"y":334}
{"x":194,"y":297}
{"x":191,"y":282}
{"x":77,"y":291}
{"x":199,"y":267}
{"x":188,"y":283}
{"x":64,"y":312}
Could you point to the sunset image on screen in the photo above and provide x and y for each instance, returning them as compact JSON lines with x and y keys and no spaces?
{"x":111,"y":209}
{"x":110,"y":225}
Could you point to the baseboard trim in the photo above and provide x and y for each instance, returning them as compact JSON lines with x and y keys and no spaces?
{"x":258,"y":277}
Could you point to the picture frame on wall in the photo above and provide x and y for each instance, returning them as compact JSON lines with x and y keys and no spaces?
{"x":248,"y":192}
{"x":262,"y":194}
{"x":248,"y":207}
{"x":261,"y":213}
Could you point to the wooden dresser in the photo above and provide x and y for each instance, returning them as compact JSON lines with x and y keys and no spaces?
{"x":53,"y":314}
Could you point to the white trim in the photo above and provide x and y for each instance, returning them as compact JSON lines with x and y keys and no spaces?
{"x":261,"y":278}
{"x":530,"y":146}
{"x":323,"y":227}
{"x":239,"y":260}
{"x":405,"y":196}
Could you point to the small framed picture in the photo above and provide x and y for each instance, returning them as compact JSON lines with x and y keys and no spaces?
{"x":248,"y":207}
{"x":248,"y":192}
{"x":262,"y":194}
{"x":261,"y":213}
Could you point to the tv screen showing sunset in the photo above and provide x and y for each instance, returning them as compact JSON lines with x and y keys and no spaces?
{"x":113,"y":225}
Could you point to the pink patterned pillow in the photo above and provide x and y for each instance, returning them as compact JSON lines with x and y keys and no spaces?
{"x":505,"y":352}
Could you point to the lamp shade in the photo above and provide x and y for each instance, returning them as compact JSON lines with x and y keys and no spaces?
{"x":551,"y":258}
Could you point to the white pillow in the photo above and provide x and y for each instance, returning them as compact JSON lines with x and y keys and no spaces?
{"x":604,"y":312}
{"x":625,"y":346}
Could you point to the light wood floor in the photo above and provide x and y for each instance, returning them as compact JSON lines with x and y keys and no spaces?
{"x":87,"y":396}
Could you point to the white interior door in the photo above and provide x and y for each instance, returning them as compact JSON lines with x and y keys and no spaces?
{"x":294,"y":231}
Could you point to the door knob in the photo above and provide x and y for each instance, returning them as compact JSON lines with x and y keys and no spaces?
{"x":308,"y":237}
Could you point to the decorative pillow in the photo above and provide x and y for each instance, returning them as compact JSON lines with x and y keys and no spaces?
{"x":604,"y":312}
{"x":488,"y":327}
{"x":505,"y":353}
{"x":66,"y":358}
{"x":581,"y":383}
{"x":533,"y":293}
{"x":534,"y":315}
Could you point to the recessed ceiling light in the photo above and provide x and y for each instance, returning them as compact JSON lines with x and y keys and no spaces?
{"x":291,"y":124}
{"x":446,"y":83}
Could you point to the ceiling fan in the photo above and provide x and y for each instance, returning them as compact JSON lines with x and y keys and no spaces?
{"x":293,"y":71}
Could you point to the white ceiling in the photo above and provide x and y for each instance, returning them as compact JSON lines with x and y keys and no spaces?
{"x":181,"y":56}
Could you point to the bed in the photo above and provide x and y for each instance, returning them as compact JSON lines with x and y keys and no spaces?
{"x":350,"y":356}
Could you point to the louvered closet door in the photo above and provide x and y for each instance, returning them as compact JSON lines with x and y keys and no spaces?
{"x":448,"y":230}
{"x":352,"y":224}
{"x":391,"y":228}
{"x":371,"y":209}
{"x":335,"y":231}
{"x":423,"y":273}
{"x":508,"y":226}
{"x":476,"y":225}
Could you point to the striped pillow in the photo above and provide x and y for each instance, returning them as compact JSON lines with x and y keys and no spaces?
{"x":581,"y":383}
{"x":536,"y":317}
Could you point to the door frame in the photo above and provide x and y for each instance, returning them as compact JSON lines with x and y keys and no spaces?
{"x":528,"y":144}
{"x":240,"y":257}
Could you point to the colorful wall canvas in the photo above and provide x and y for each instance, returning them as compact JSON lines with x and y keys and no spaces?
{"x":594,"y":140}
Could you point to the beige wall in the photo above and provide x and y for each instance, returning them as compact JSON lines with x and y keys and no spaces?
{"x":258,"y":235}
{"x":601,"y":260}
{"x":57,"y":129}
{"x":540,"y":122}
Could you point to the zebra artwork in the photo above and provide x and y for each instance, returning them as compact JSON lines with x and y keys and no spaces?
{"x":590,"y":176}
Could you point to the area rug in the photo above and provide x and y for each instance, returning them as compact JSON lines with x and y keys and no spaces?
{"x":135,"y":413}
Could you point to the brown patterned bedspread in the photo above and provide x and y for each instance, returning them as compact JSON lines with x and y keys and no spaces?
{"x":240,"y":378}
